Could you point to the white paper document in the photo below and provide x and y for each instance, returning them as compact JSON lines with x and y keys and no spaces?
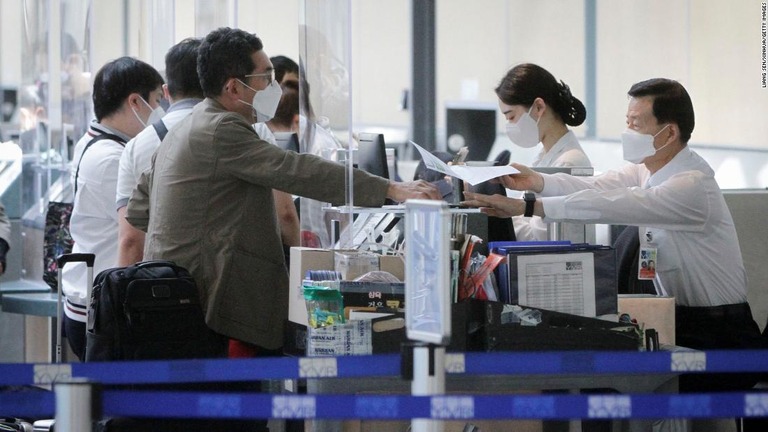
{"x":472,"y":175}
{"x":559,"y":282}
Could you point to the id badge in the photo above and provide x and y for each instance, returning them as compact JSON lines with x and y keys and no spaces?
{"x":646,"y":266}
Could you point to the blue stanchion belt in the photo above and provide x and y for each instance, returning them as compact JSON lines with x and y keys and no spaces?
{"x":391,"y":407}
{"x":231,"y":405}
{"x":507,"y":363}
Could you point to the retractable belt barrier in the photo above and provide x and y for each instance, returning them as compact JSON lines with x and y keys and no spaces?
{"x":258,"y":405}
{"x":165,"y":404}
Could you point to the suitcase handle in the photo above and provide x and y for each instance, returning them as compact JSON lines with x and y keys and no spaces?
{"x":87,"y":258}
{"x":155,"y":263}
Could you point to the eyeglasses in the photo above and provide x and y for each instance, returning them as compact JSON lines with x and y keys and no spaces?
{"x":268,"y":75}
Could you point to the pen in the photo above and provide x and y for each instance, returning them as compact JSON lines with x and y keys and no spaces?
{"x":460,"y":155}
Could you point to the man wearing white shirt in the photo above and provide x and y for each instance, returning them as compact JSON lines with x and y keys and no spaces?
{"x":126,"y":94}
{"x":184,"y":92}
{"x":670,"y":193}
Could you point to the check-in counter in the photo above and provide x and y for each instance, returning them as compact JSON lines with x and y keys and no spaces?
{"x":748,"y":208}
{"x":37,"y":306}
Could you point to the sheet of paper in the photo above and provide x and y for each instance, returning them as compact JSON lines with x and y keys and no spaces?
{"x":559,"y":282}
{"x":472,"y":175}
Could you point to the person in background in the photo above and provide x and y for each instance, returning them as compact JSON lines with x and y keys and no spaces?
{"x":285,"y":69}
{"x":538,"y":109}
{"x":126,"y":98}
{"x":671,"y":194}
{"x":317,"y":138}
{"x":219,"y":222}
{"x":441,"y":182}
{"x":184,"y":92}
{"x":285,"y":121}
{"x":5,"y":238}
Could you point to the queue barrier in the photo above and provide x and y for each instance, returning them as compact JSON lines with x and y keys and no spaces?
{"x":325,"y":406}
{"x":165,"y":404}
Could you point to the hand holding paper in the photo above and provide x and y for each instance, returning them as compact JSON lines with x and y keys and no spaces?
{"x":472,"y":175}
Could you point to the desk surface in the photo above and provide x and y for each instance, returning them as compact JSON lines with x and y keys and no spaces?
{"x":23,"y":286}
{"x":40,"y":304}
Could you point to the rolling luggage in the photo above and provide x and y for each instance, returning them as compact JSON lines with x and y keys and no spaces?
{"x":61,"y":261}
{"x":47,"y":425}
{"x":149,"y":310}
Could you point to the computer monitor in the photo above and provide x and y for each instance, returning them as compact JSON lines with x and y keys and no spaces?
{"x":371,"y":155}
{"x":471,"y":124}
{"x":287,"y":141}
{"x":8,"y":104}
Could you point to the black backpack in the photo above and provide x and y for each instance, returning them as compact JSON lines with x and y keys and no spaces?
{"x":149,"y":310}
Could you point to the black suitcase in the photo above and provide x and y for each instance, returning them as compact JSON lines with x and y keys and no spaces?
{"x":149,"y":310}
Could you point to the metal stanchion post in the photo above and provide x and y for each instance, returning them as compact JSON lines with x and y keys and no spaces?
{"x":427,"y":304}
{"x":428,"y":379}
{"x":77,"y":403}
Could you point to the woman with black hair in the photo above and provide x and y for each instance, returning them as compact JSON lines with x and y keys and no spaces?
{"x":538,"y":109}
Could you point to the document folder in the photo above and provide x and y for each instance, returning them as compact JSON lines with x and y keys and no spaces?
{"x":536,"y":258}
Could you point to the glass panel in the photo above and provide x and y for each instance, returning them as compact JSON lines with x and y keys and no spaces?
{"x":325,"y":93}
{"x":54,"y":112}
{"x":162,"y":36}
{"x":212,"y":14}
{"x":77,"y":104}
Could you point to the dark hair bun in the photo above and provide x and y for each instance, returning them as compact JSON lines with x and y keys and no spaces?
{"x":573,"y":113}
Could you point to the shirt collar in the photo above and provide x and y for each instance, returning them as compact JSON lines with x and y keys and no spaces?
{"x":564,"y":143}
{"x":96,"y":129}
{"x":685,"y":160}
{"x":183,"y":104}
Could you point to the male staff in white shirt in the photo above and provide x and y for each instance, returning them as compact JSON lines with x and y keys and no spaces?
{"x":670,"y":193}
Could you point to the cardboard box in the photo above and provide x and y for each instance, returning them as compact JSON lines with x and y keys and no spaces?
{"x":350,"y":338}
{"x":358,"y":337}
{"x":393,"y":264}
{"x":651,"y":312}
{"x":373,"y":294}
{"x":353,"y":264}
{"x":303,"y":259}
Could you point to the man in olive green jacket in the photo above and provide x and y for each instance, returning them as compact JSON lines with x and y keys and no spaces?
{"x":207,"y":202}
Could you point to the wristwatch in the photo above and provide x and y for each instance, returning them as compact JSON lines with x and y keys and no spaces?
{"x":530,"y":200}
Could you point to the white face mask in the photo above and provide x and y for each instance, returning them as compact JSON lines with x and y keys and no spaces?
{"x":265,"y":101}
{"x":638,"y":146}
{"x":524,"y":133}
{"x":154,"y":116}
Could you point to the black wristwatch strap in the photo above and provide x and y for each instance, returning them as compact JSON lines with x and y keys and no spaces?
{"x":530,"y":200}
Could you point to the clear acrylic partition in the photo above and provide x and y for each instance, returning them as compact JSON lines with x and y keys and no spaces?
{"x":54,"y":98}
{"x":325,"y":92}
{"x":161,"y":31}
{"x":212,"y":14}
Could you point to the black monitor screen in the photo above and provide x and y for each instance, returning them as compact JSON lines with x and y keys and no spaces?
{"x":471,"y":126}
{"x":7,"y":104}
{"x":372,"y":154}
